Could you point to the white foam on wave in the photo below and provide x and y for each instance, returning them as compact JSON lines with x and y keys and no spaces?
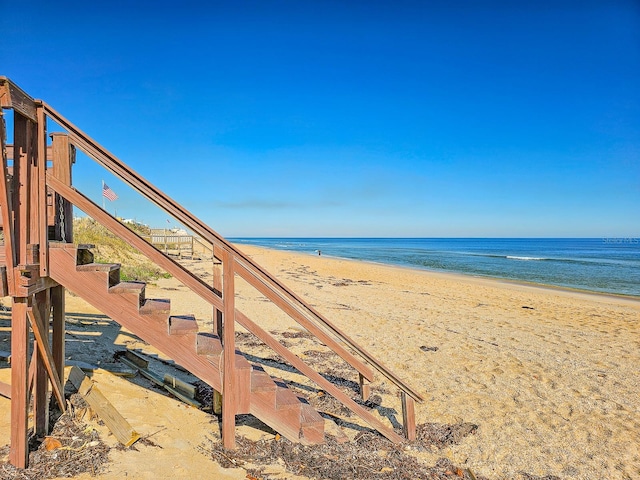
{"x":514,"y":257}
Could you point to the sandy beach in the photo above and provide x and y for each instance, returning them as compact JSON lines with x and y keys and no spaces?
{"x":549,"y":376}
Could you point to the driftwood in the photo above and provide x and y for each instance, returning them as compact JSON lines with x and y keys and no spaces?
{"x":103,"y":408}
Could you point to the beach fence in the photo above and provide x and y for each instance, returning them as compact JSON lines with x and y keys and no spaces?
{"x":179,"y":244}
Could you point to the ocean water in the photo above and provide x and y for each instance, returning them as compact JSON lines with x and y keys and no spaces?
{"x":607,"y":265}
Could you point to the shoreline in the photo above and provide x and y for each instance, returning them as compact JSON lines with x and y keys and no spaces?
{"x":459,"y":275}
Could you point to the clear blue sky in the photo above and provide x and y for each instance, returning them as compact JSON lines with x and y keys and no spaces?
{"x":338,"y":118}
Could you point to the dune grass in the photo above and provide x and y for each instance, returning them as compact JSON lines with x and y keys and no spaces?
{"x":112,"y":249}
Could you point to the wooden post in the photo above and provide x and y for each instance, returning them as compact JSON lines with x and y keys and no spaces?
{"x":63,"y":158}
{"x":6,"y":202}
{"x":21,"y":178}
{"x":217,"y":287}
{"x":18,"y":454}
{"x":41,"y":190}
{"x":365,"y":388}
{"x":408,"y":416}
{"x":41,"y":381}
{"x":229,"y":351}
{"x":58,"y":329}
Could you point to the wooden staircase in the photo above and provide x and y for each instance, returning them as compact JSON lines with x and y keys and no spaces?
{"x":200,"y":352}
{"x":38,"y":261}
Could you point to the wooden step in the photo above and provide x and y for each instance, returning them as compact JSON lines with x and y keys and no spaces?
{"x":155,"y":306}
{"x":182,"y":324}
{"x":84,"y":255}
{"x":98,"y":267}
{"x":135,"y":291}
{"x":208,"y":344}
{"x":311,"y":425}
{"x":112,"y":269}
{"x":285,"y":398}
{"x":261,"y":381}
{"x":128,"y":287}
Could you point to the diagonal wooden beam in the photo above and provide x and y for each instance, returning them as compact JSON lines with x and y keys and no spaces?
{"x":38,"y":331}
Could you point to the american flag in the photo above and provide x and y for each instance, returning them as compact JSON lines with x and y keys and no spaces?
{"x":108,"y":193}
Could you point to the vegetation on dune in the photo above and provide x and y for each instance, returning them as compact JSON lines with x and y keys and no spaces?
{"x":109,"y":248}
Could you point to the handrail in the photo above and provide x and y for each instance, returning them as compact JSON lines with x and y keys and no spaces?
{"x":207,"y":293}
{"x":114,"y":165}
{"x":197,"y":285}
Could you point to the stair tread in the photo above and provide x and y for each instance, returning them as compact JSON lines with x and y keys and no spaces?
{"x":98,"y":267}
{"x":309,"y":416}
{"x":285,"y":398}
{"x":182,"y":324}
{"x":155,"y":306}
{"x":261,"y":381}
{"x":208,"y":344}
{"x":71,"y":246}
{"x":128,"y":287}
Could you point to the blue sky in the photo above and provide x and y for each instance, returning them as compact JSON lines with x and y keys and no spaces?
{"x":293,"y":118}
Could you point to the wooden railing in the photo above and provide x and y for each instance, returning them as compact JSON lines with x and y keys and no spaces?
{"x":221,"y":297}
{"x":235,"y":263}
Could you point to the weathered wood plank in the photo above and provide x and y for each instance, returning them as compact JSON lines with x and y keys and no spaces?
{"x":180,"y":385}
{"x":365,"y":388}
{"x":9,"y":149}
{"x":12,"y":96}
{"x":63,"y":157}
{"x":116,"y":423}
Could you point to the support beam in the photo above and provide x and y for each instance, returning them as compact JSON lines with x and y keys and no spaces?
{"x":37,"y":324}
{"x":229,"y":386}
{"x":41,"y":191}
{"x":41,"y":302}
{"x":365,"y":388}
{"x":18,"y":454}
{"x":12,"y":96}
{"x":408,"y":416}
{"x":58,"y":328}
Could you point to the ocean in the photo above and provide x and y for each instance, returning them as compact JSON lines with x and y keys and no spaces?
{"x":605,"y":265}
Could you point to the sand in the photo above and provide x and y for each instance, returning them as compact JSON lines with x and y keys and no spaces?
{"x":550,"y":376}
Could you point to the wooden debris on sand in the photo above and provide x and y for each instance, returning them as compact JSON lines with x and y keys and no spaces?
{"x":103,"y":408}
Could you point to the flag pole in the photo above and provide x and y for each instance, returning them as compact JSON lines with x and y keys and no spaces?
{"x":102,"y":192}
